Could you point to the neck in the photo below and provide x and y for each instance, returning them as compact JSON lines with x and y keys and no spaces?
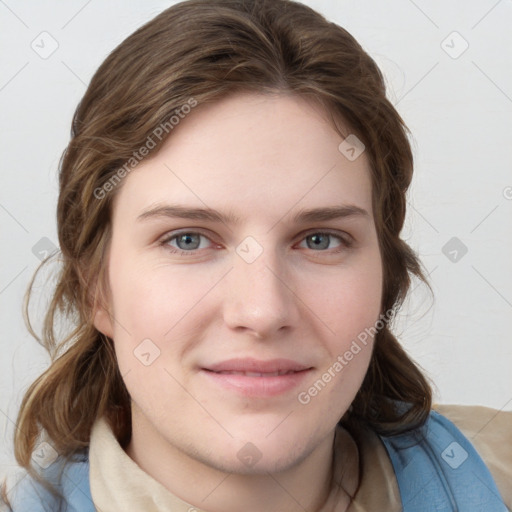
{"x":316,"y":482}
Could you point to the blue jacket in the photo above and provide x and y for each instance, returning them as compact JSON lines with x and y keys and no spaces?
{"x":436,"y":467}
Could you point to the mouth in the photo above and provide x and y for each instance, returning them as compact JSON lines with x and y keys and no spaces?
{"x":257,"y":374}
{"x":255,"y":378}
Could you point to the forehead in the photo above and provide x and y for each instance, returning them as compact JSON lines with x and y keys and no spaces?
{"x":249,"y":154}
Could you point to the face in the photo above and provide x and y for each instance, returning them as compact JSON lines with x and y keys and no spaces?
{"x":243,"y":266}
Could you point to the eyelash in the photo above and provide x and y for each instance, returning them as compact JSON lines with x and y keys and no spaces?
{"x":345,"y":242}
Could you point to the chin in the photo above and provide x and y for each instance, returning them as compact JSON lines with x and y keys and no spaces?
{"x":250,"y":460}
{"x":262,"y":451}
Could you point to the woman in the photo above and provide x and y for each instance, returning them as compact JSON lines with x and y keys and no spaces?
{"x":229,"y":218}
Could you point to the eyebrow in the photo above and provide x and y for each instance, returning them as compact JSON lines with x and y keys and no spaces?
{"x":209,"y":214}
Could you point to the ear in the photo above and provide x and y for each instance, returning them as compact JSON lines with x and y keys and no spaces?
{"x":103,"y":322}
{"x":101,"y":317}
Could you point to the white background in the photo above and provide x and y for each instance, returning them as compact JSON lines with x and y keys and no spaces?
{"x":458,"y":109}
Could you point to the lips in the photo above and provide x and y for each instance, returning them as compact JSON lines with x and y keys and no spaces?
{"x":257,"y":374}
{"x":257,"y":367}
{"x":254,"y":378}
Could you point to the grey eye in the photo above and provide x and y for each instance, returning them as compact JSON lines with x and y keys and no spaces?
{"x":189,"y":241}
{"x":318,"y":241}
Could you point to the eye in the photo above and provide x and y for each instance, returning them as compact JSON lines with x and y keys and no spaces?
{"x":186,"y":242}
{"x":320,"y":241}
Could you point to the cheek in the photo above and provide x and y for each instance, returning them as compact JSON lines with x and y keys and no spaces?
{"x":150,"y":301}
{"x":347,"y":300}
{"x":349,"y":305}
{"x":149,"y":310}
{"x":158,"y":317}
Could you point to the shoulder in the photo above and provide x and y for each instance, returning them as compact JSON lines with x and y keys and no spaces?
{"x":490,"y":432}
{"x":437,"y":465}
{"x":69,"y":478}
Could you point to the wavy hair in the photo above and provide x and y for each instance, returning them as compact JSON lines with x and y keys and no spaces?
{"x":207,"y":50}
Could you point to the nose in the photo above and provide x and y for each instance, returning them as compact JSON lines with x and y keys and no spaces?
{"x":259,"y":298}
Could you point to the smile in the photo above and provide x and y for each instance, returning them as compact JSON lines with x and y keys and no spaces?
{"x":255,"y":378}
{"x":257,"y":374}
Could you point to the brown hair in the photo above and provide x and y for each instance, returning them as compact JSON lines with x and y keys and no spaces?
{"x":205,"y":50}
